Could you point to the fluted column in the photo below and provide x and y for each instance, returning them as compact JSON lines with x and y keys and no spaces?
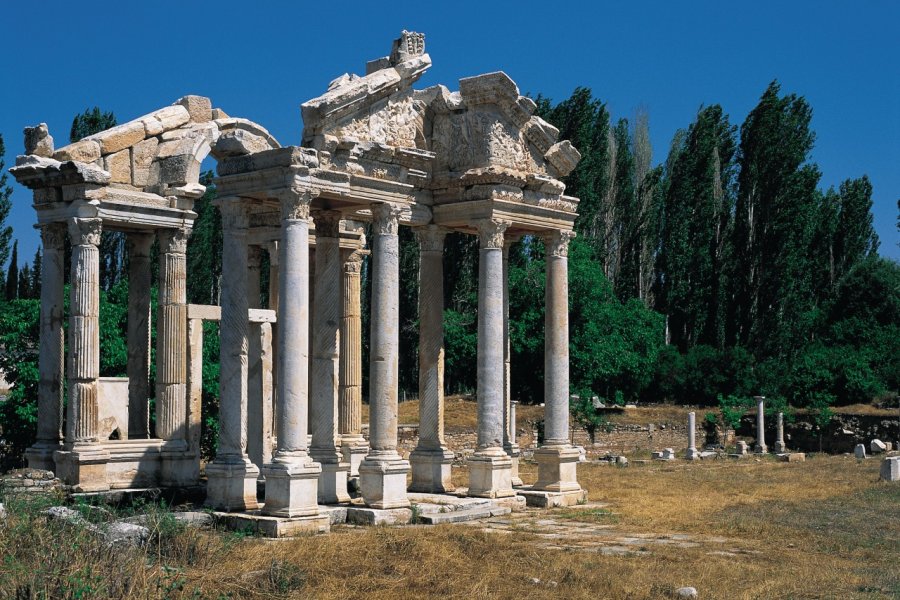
{"x":50,"y":361}
{"x":490,"y":468}
{"x":761,"y":447}
{"x":139,"y":282}
{"x":383,"y":472}
{"x":232,"y":477}
{"x":171,"y":338}
{"x":326,"y":328}
{"x":86,"y":468}
{"x":292,"y":477}
{"x":431,"y":460}
{"x":509,"y":439}
{"x":259,"y":374}
{"x":556,"y":458}
{"x":353,"y":444}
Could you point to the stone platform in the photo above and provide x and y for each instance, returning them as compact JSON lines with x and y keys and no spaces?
{"x":275,"y":527}
{"x":542,"y":499}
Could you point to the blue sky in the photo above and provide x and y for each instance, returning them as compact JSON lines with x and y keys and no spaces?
{"x":260,"y":60}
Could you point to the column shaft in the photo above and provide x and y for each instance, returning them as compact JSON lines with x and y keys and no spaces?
{"x":556,"y":341}
{"x":139,"y":282}
{"x":350,"y":397}
{"x":761,"y":425}
{"x":171,"y":338}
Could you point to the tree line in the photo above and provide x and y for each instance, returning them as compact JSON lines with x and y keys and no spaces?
{"x":722,"y":272}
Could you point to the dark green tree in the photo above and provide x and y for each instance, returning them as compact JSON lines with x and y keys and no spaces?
{"x":855,"y":238}
{"x":204,"y":248}
{"x":36,"y":273}
{"x":12,"y":274}
{"x":91,"y":121}
{"x":24,"y":285}
{"x":5,"y":207}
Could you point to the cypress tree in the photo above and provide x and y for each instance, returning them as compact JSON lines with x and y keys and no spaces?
{"x":36,"y":273}
{"x":12,"y":273}
{"x":5,"y":207}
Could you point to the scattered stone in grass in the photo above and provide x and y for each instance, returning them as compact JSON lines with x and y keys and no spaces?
{"x":877,"y":446}
{"x":686,"y":592}
{"x":860,"y":451}
{"x":742,"y":448}
{"x":890,"y":468}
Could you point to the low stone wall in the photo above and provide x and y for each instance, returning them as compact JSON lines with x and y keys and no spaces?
{"x":841,"y":435}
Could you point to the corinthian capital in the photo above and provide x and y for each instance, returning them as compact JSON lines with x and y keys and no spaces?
{"x":295,"y":203}
{"x":85,"y":232}
{"x":431,"y":238}
{"x":353,"y":262}
{"x":328,"y":223}
{"x":490,"y":232}
{"x":53,"y":236}
{"x":386,"y":219}
{"x":556,"y":243}
{"x":173,"y":241}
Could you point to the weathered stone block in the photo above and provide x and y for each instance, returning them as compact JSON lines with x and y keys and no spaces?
{"x":199,"y":107}
{"x":877,"y":446}
{"x":859,"y":451}
{"x":119,"y":166}
{"x":86,"y":151}
{"x":792,"y":457}
{"x":890,"y":468}
{"x":142,"y":155}
{"x":165,"y":119}
{"x":119,"y":137}
{"x":38,"y":141}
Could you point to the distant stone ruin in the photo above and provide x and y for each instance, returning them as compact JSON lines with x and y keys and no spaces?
{"x":376,"y":150}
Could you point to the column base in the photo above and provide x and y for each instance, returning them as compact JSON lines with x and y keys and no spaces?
{"x":83,"y":467}
{"x":692,"y":454}
{"x":544,"y":499}
{"x":179,"y":467}
{"x":333,"y":478}
{"x":431,"y":470}
{"x":514,"y":453}
{"x":353,"y":451}
{"x":231,"y":486}
{"x":40,"y":456}
{"x":382,"y":481}
{"x":490,"y":474}
{"x":292,"y":488}
{"x":557,"y":469}
{"x":761,"y":449}
{"x":779,"y":448}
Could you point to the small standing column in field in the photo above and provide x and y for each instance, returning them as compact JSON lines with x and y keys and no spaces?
{"x":692,"y":453}
{"x":761,"y":447}
{"x":780,"y":446}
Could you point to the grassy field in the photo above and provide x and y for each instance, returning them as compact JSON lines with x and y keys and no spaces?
{"x":826,"y":528}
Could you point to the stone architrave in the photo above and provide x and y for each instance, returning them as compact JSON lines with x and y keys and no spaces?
{"x":490,"y":467}
{"x":382,"y":474}
{"x":292,"y":478}
{"x":760,"y":447}
{"x":139,"y":281}
{"x":509,"y":440}
{"x":178,"y":467}
{"x":82,"y":463}
{"x":557,"y":459}
{"x":780,"y":446}
{"x":232,"y":476}
{"x":50,"y":361}
{"x":431,"y":460}
{"x":692,"y":452}
{"x":324,"y":382}
{"x":259,"y":371}
{"x":353,"y":445}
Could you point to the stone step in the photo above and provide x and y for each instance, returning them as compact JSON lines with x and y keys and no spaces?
{"x":469,"y":514}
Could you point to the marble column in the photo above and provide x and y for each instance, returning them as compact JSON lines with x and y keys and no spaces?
{"x":382,"y":474}
{"x":761,"y":447}
{"x":325,"y":380}
{"x":490,"y":467}
{"x":431,"y":460}
{"x":509,"y":440}
{"x":692,"y":453}
{"x":274,"y":286}
{"x":139,"y":282}
{"x":556,"y":458}
{"x":232,"y":476}
{"x":292,"y":478}
{"x":353,"y":445}
{"x":51,"y":367}
{"x":83,"y":464}
{"x":259,"y":370}
{"x":177,"y":467}
{"x":780,"y":446}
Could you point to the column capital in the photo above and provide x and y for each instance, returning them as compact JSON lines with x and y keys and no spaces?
{"x":327,"y":223}
{"x":386,"y":219}
{"x":234,"y":215}
{"x":173,"y":241}
{"x":352,"y":262}
{"x":295,"y":203}
{"x":85,"y":232}
{"x":556,"y":243}
{"x":431,"y":238}
{"x":53,"y":236}
{"x":491,"y":232}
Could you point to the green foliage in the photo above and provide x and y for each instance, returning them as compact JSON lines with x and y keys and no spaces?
{"x":5,"y":206}
{"x":733,"y":408}
{"x":587,"y":417}
{"x":91,"y":121}
{"x":12,"y":274}
{"x":19,"y":363}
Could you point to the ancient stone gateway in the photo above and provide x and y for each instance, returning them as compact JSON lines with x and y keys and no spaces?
{"x":374,"y":150}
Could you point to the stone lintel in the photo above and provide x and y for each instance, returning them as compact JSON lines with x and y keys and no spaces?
{"x":525,"y":218}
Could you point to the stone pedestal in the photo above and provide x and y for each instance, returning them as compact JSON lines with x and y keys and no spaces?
{"x":382,"y":474}
{"x":760,"y":447}
{"x":231,"y":476}
{"x":556,"y":459}
{"x":431,"y":460}
{"x":50,"y":360}
{"x":780,"y":447}
{"x":292,"y":478}
{"x":490,"y":468}
{"x":692,"y":452}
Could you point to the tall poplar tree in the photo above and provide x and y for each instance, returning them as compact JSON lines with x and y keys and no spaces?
{"x":5,"y":206}
{"x":12,"y":274}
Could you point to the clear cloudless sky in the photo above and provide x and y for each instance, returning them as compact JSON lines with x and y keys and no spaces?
{"x":260,"y":60}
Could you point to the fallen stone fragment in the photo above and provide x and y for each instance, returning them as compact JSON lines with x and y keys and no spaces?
{"x":686,"y":592}
{"x":860,"y":451}
{"x":890,"y":468}
{"x":877,"y":446}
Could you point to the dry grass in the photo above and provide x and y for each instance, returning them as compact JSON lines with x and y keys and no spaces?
{"x":821,"y":529}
